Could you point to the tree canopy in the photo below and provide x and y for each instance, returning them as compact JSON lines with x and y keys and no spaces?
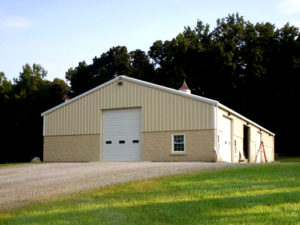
{"x":116,"y":61}
{"x":21,"y":105}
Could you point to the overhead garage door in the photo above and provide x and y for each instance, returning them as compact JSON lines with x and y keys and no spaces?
{"x":225,"y":146}
{"x":122,"y":135}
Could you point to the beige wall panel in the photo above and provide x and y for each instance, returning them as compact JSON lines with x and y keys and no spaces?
{"x":77,"y":148}
{"x":157,"y":146}
{"x":237,"y":135}
{"x":269,"y":146}
{"x":268,"y":139}
{"x":161,"y":111}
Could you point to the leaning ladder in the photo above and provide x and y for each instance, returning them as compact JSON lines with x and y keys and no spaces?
{"x":261,"y":148}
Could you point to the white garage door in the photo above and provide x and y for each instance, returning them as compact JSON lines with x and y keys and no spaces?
{"x":225,"y":146}
{"x":122,"y":135}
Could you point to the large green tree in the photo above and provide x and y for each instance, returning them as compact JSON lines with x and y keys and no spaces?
{"x":21,"y":104}
{"x":253,"y":68}
{"x":116,"y":61}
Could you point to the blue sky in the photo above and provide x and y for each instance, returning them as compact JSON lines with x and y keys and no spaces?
{"x":59,"y":34}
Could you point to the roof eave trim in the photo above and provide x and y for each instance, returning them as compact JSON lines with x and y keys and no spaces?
{"x":244,"y":118}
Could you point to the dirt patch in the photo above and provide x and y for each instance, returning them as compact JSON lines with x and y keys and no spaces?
{"x":24,"y":184}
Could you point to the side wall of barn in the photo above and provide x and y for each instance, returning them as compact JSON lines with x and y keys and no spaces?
{"x":237,"y":142}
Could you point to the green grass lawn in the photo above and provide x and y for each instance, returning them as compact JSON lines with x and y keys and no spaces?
{"x":16,"y":164}
{"x":266,"y":194}
{"x":288,"y":159}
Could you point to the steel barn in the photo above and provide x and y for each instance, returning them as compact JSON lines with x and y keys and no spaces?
{"x":127,"y":119}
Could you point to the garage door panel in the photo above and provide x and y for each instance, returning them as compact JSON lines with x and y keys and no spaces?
{"x":116,"y":137}
{"x":115,"y":131}
{"x":122,"y":135}
{"x":122,"y":122}
{"x":121,"y":156}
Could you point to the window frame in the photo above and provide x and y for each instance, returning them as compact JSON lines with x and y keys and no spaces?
{"x":173,"y":144}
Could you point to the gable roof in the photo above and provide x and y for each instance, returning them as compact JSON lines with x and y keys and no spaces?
{"x":162,"y":88}
{"x":137,"y":81}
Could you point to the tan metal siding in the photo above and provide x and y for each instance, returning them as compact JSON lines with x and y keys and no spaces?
{"x":161,"y":111}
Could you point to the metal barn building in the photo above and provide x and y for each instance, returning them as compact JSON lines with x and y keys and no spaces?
{"x":127,"y":119}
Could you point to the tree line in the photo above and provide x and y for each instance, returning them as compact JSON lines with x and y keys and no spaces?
{"x":21,"y":104}
{"x":252,"y":68}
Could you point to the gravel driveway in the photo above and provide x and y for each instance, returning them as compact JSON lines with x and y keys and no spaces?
{"x":25,"y":184}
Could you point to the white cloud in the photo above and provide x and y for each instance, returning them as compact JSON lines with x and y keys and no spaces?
{"x":288,"y":7}
{"x":7,"y":21}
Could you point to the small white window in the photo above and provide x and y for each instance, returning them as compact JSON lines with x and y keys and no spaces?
{"x":178,"y":143}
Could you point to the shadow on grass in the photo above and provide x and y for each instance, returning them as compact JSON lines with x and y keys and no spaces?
{"x":275,"y":208}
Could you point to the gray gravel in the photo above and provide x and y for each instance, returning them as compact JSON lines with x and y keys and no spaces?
{"x":24,"y":184}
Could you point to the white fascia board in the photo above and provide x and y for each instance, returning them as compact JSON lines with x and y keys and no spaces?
{"x":170,"y":90}
{"x":244,"y":118}
{"x":79,"y":96}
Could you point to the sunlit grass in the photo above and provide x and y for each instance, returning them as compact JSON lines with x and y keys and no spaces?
{"x":267,"y":194}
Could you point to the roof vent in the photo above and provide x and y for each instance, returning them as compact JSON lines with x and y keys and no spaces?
{"x":185,"y":88}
